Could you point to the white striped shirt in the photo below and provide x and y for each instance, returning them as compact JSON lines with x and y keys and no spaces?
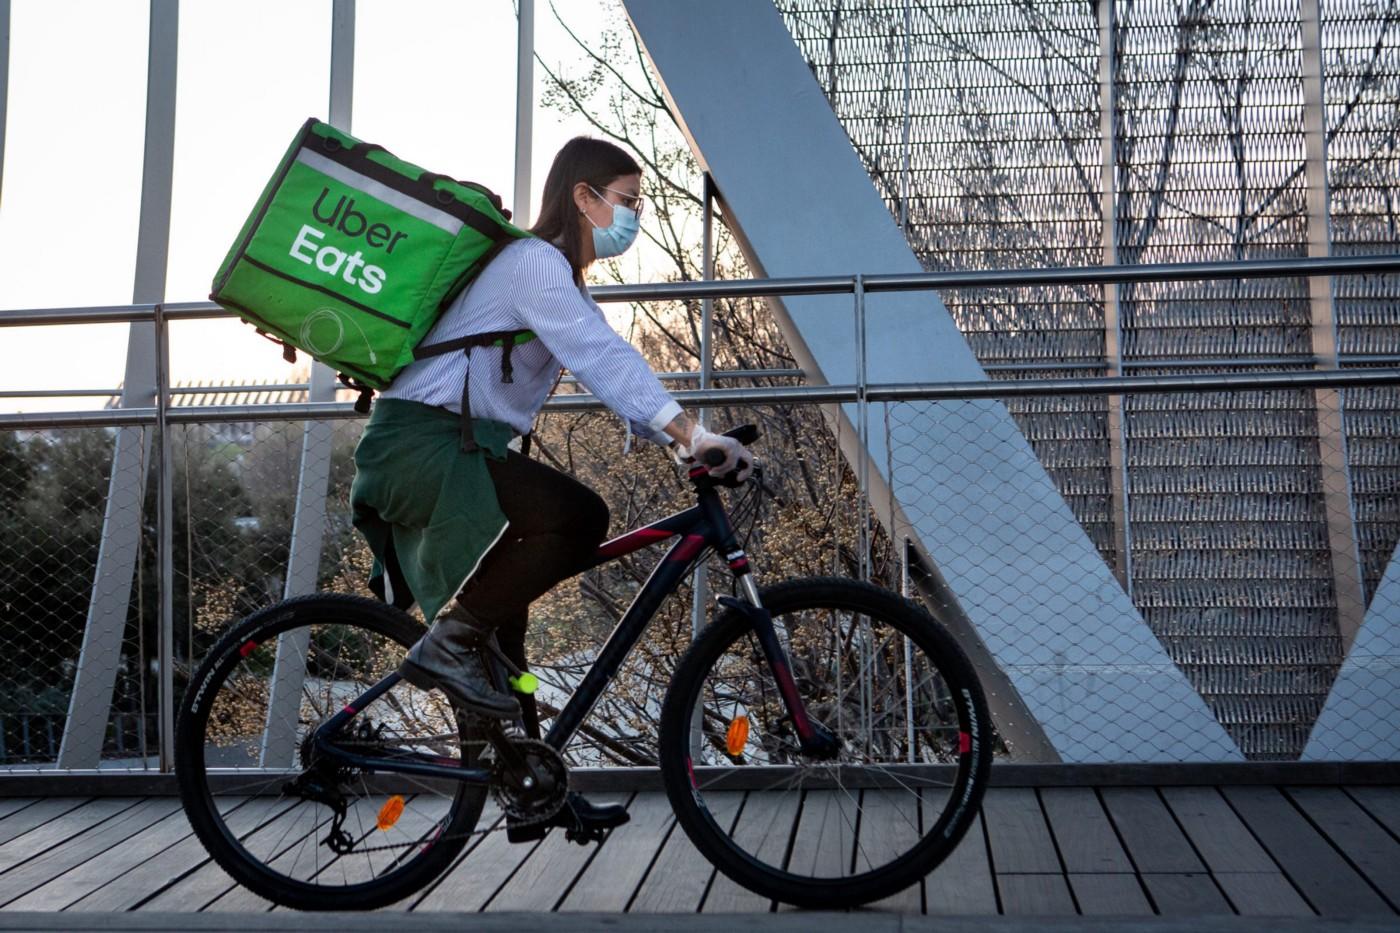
{"x":529,"y":285}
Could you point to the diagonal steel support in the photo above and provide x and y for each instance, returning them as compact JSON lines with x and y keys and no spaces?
{"x":90,"y":703}
{"x":1044,"y":606}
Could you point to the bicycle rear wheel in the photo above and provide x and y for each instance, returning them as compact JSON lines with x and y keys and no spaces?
{"x":346,"y":839}
{"x":903,"y":786}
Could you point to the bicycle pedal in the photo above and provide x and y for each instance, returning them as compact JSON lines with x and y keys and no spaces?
{"x":529,"y":832}
{"x":584,"y":836}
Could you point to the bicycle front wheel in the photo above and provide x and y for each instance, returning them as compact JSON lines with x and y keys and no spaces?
{"x":913,"y":745}
{"x":286,"y":822}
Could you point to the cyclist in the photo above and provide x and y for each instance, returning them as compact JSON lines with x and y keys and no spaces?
{"x":471,"y":531}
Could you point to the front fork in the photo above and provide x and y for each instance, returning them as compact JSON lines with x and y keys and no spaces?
{"x":815,"y":739}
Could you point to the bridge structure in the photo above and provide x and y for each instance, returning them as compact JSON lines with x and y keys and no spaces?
{"x":1125,"y":787}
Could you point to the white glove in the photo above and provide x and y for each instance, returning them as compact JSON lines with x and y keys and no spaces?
{"x":702,"y":440}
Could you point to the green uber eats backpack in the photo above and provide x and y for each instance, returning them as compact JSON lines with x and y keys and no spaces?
{"x":351,"y":255}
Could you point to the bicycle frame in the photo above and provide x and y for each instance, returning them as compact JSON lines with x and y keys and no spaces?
{"x":704,"y":525}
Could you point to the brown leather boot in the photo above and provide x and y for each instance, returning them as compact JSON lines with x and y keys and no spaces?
{"x":450,"y":658}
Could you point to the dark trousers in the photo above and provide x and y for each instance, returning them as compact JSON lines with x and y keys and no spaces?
{"x":556,"y":525}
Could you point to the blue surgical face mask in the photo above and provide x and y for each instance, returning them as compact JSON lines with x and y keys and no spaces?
{"x":614,"y":239}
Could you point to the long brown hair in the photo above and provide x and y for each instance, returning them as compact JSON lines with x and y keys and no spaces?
{"x":582,"y":159}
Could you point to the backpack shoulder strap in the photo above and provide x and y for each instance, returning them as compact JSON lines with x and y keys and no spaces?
{"x":507,"y":340}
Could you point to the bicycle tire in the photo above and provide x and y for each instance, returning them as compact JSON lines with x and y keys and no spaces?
{"x":425,"y":855}
{"x":691,"y":797}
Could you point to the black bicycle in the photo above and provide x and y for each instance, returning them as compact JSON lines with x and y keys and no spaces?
{"x":823,"y":742}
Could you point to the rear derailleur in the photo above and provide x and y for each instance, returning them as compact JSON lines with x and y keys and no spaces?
{"x":321,"y":785}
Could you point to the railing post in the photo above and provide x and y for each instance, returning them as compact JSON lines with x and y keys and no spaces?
{"x":700,"y":586}
{"x":907,"y":592}
{"x":524,"y":110}
{"x":165,"y":543}
{"x":4,"y":80}
{"x":863,"y":428}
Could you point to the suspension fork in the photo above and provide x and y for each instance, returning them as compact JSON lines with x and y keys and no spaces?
{"x":814,"y":738}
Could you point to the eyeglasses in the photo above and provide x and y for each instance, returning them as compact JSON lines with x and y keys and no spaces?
{"x":633,"y":202}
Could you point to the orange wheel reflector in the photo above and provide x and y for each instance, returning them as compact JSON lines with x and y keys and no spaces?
{"x":391,"y":811}
{"x":738,"y":735}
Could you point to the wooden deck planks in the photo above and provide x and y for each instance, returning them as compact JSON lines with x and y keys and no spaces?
{"x":150,"y":876}
{"x":1182,"y":893}
{"x":1225,"y":844}
{"x":146,"y":843}
{"x":1331,"y":885}
{"x":611,"y":879}
{"x":1109,"y":895}
{"x":1041,"y":895}
{"x":889,"y":827}
{"x":1153,"y":840}
{"x":40,"y":827}
{"x":680,"y":876}
{"x":1365,"y":843}
{"x":1083,"y":831}
{"x":1020,"y":838}
{"x":1259,"y":851}
{"x":205,"y":881}
{"x":476,"y":878}
{"x":1383,"y":803}
{"x":109,"y":823}
{"x":764,"y":827}
{"x":1262,"y":894}
{"x":543,"y":878}
{"x":12,"y":805}
{"x":963,"y":884}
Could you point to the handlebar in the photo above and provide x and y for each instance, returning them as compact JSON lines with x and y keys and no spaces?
{"x":745,"y":434}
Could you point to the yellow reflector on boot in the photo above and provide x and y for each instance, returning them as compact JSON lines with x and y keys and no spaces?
{"x":738,"y":735}
{"x":525,"y":683}
{"x":391,"y":811}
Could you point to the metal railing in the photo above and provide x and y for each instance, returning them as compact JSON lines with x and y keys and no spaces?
{"x":861,"y":396}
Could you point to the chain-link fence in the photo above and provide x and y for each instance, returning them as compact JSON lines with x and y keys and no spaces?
{"x":1229,"y":619}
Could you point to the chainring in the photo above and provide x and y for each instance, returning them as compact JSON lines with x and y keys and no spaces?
{"x":531,"y":806}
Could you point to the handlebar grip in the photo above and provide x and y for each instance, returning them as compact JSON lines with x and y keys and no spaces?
{"x":713,"y":457}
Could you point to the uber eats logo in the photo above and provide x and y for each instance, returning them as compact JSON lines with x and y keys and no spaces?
{"x":343,"y":218}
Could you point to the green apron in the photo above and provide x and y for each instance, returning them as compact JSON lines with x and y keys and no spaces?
{"x":427,"y":509}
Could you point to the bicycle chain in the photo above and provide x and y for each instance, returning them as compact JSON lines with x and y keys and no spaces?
{"x":514,"y":816}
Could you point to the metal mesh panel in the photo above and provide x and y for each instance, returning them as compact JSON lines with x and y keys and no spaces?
{"x":1361,"y":47}
{"x":54,"y":487}
{"x":1001,"y":106}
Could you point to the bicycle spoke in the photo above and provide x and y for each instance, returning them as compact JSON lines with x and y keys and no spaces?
{"x":897,"y":746}
{"x":344,"y":837}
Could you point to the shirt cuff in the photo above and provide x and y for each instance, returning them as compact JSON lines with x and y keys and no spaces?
{"x":665,"y":416}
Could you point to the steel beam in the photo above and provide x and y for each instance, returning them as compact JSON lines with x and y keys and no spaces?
{"x":524,"y":109}
{"x":1350,"y":588}
{"x":1112,"y":321}
{"x":1361,"y":718}
{"x":1043,"y":603}
{"x":4,"y":82}
{"x":91,"y":699}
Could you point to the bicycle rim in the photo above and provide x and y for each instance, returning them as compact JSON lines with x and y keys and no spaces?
{"x":343,"y":838}
{"x":913,"y":747}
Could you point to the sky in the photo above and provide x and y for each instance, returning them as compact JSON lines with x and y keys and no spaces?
{"x":434,"y":83}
